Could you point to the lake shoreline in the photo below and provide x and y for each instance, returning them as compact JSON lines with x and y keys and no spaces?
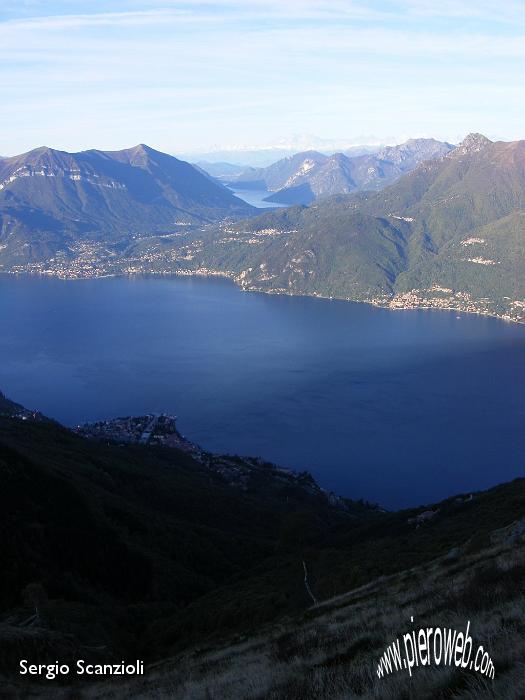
{"x":380,"y":304}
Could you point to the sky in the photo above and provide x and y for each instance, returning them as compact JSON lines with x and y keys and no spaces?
{"x":234,"y":74}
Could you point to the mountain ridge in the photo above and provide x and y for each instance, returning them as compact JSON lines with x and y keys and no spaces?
{"x":446,"y":235}
{"x":320,"y":175}
{"x":52,"y":200}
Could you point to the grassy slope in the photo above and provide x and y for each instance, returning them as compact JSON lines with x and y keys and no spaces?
{"x":145,"y":551}
{"x":332,"y":650}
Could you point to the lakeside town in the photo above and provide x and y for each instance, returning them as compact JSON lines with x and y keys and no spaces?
{"x":447,"y":300}
{"x":160,"y":430}
{"x":151,"y":429}
{"x":93,"y":259}
{"x":157,"y":256}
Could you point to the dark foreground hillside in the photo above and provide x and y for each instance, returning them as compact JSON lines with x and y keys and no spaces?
{"x":333,"y":650}
{"x":115,"y":552}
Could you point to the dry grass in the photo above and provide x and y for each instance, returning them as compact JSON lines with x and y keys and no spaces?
{"x":332,"y":650}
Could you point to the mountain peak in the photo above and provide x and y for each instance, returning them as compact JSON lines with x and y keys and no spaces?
{"x":141,"y":148}
{"x":43,"y":155}
{"x":143,"y":153}
{"x":40,"y":151}
{"x":119,"y":191}
{"x":472,"y":144}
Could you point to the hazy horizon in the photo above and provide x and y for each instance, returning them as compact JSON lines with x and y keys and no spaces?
{"x":259,"y":154}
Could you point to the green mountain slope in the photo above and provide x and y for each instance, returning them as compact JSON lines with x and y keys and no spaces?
{"x":449,"y":234}
{"x":331,"y":250}
{"x":54,"y":202}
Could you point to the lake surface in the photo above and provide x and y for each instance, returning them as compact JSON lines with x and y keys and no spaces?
{"x":399,"y":407}
{"x":256,"y":198}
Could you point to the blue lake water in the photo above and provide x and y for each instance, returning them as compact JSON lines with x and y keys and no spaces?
{"x":256,"y":198}
{"x":399,"y":407}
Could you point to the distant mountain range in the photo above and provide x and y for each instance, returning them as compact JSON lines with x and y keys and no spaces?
{"x":51,"y":200}
{"x":301,"y":178}
{"x":220,"y":171}
{"x":263,"y":155}
{"x":450,"y":234}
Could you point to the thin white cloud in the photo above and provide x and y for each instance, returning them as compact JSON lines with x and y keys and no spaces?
{"x":327,"y":40}
{"x":235,"y":10}
{"x":484,"y":10}
{"x":184,"y":72}
{"x":146,"y":11}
